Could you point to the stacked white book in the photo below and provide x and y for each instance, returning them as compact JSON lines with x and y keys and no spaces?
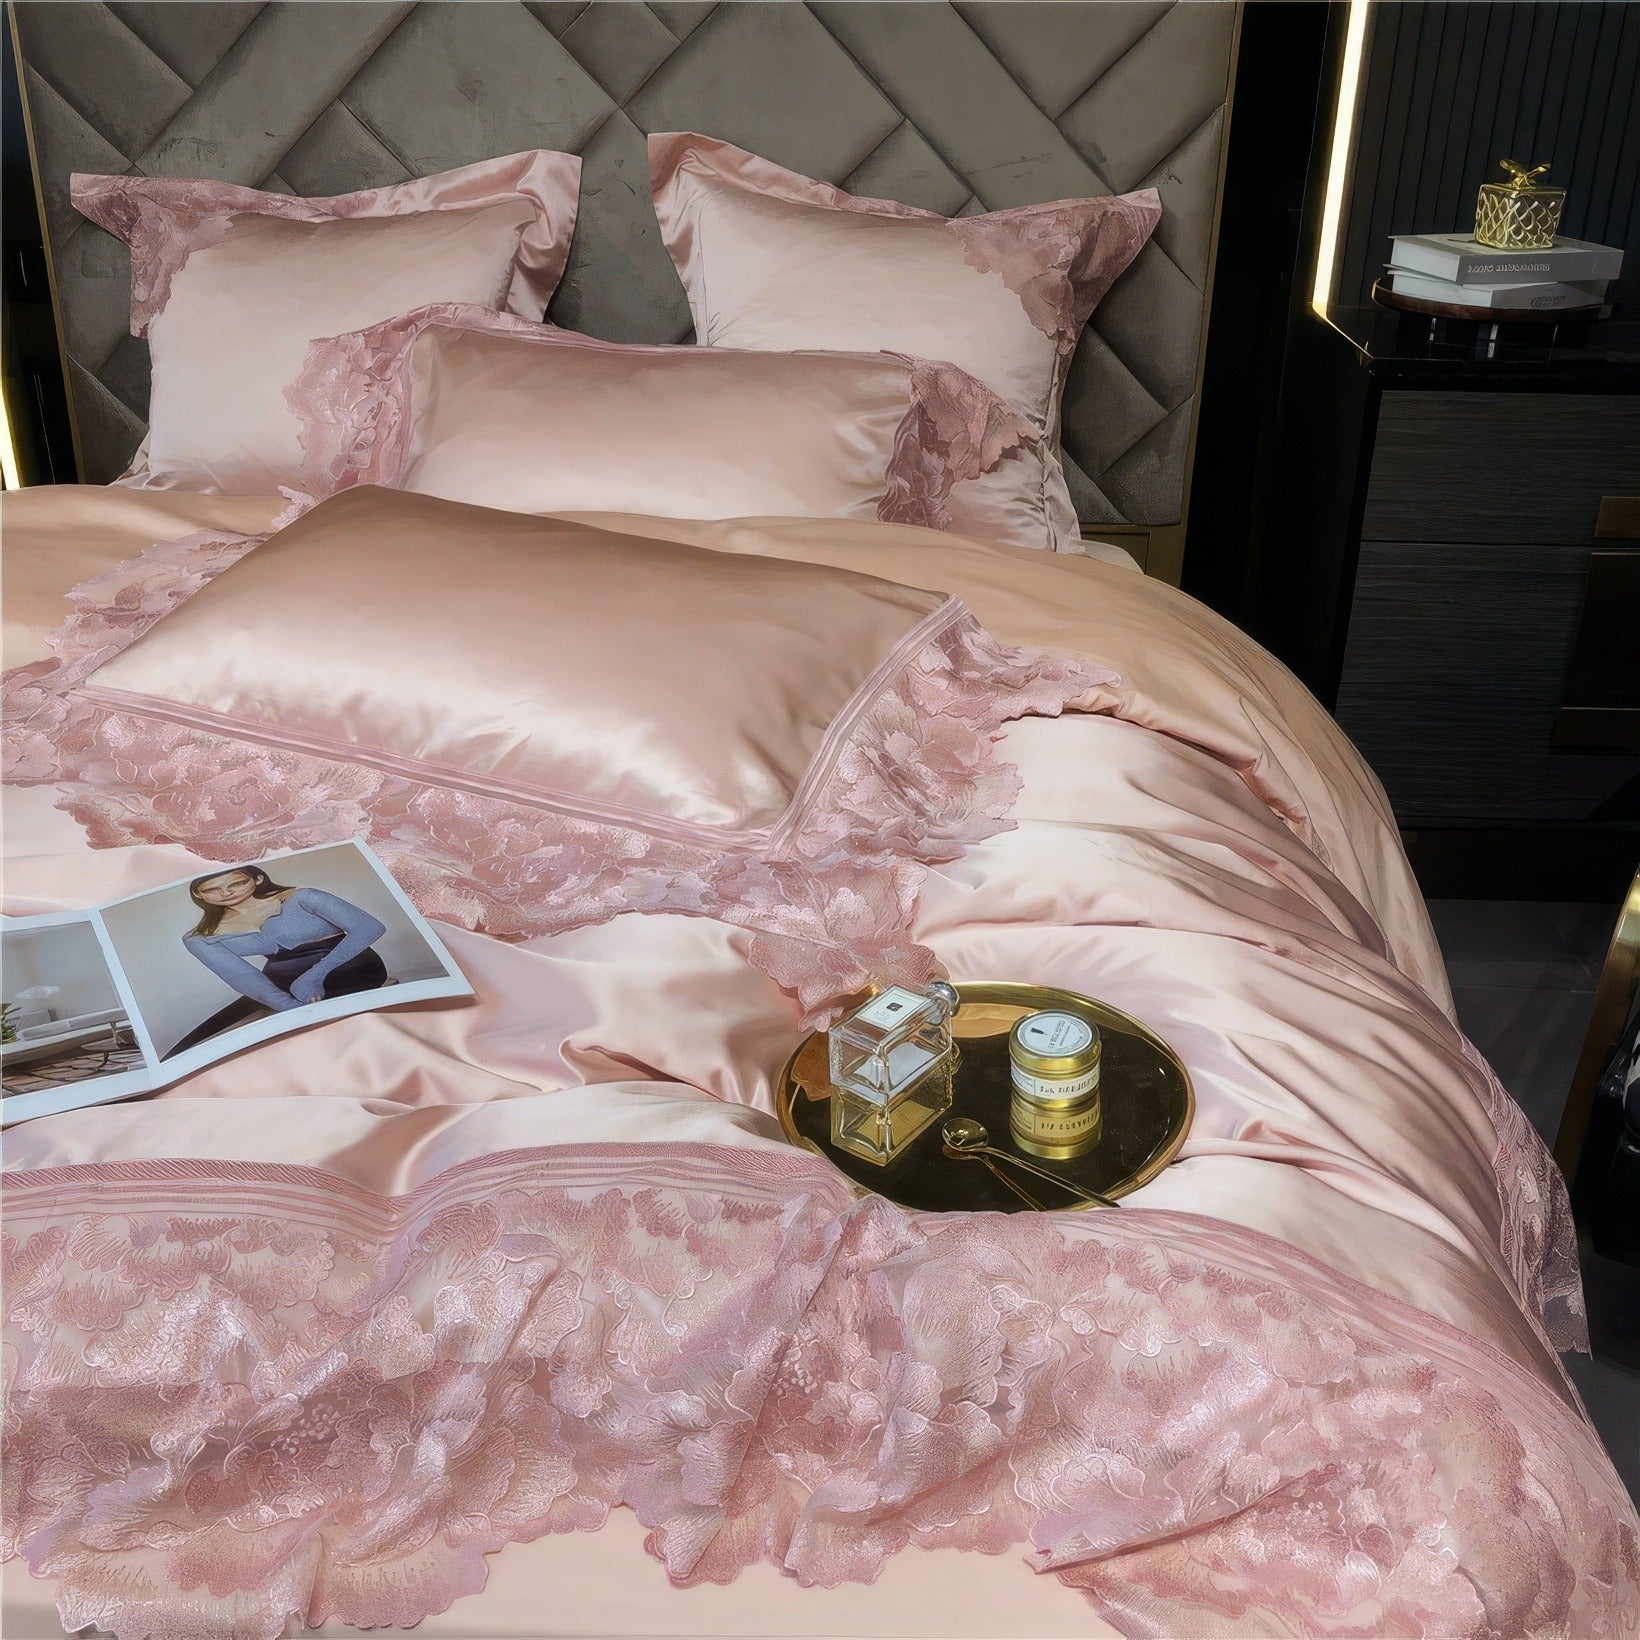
{"x":1457,"y":268}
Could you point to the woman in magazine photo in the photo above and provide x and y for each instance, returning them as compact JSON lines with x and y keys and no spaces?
{"x":317,"y":946}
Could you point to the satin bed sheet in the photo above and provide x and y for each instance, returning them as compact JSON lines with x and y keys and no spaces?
{"x":1234,"y":880}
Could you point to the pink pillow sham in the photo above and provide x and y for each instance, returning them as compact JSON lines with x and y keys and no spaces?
{"x":229,"y":285}
{"x":773,"y":259}
{"x":481,"y":407}
{"x":541,"y":724}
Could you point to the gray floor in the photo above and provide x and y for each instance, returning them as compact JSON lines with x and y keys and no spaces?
{"x":1524,"y":973}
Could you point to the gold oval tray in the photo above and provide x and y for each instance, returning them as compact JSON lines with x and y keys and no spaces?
{"x":1148,"y":1107}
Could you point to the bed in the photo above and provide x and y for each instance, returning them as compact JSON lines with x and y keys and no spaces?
{"x":523,"y":1317}
{"x":1205,"y":852}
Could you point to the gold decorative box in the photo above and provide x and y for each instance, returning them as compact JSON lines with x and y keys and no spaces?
{"x":1517,"y":215}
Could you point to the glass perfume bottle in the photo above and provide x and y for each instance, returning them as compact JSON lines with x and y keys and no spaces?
{"x":891,"y":1062}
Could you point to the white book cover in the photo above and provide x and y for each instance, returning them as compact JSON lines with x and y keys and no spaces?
{"x":1461,"y":257}
{"x":137,"y":993}
{"x":1544,"y":296}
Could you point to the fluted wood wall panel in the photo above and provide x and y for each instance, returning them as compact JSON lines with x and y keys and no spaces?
{"x":1450,"y":89}
{"x":956,"y":107}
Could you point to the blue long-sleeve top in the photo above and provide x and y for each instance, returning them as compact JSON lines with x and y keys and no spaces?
{"x":307,"y":915}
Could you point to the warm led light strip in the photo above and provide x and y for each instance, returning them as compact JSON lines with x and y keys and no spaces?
{"x":1338,"y":161}
{"x":8,"y":450}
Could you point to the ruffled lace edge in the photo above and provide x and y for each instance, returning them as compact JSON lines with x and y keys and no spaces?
{"x":1538,"y":1237}
{"x":1205,"y":1430}
{"x":1060,"y":258}
{"x":828,"y":896}
{"x":352,"y":398}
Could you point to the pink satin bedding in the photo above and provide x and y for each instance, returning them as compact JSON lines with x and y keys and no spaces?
{"x":596,"y":722}
{"x":524,"y":690}
{"x":1303,"y":1381}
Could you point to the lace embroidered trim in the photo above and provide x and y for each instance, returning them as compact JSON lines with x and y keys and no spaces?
{"x":829,"y":896}
{"x":240,"y":1394}
{"x":352,"y":398}
{"x":822,"y":921}
{"x":355,"y":403}
{"x":1060,"y":259}
{"x":955,"y":429}
{"x":163,"y":222}
{"x":1538,"y":1238}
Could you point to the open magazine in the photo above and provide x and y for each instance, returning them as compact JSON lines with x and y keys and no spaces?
{"x":140,"y":992}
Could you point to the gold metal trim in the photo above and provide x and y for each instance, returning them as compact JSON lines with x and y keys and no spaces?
{"x":1015,"y":994}
{"x":45,"y":239}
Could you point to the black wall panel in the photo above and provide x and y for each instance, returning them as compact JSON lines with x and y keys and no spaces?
{"x":1452,"y":89}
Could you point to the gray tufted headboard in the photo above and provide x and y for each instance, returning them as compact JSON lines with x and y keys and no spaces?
{"x":957,"y":107}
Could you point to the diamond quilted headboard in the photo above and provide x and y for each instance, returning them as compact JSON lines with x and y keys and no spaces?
{"x":960,"y":108}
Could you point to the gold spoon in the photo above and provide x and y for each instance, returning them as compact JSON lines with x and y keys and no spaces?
{"x":963,"y":1136}
{"x":996,"y":1173}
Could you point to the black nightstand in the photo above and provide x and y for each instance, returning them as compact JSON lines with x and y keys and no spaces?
{"x":1451,"y":559}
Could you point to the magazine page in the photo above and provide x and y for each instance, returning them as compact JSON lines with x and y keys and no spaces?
{"x":69,"y":1036}
{"x":146,"y":990}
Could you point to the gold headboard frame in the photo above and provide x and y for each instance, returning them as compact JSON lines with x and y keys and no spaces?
{"x":956,"y":107}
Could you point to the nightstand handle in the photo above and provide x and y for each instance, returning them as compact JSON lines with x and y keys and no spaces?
{"x":1618,"y":518}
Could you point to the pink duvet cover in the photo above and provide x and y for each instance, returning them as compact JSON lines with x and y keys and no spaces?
{"x":316,"y":1331}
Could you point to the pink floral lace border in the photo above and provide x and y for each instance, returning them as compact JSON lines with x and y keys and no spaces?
{"x":1538,"y":1238}
{"x":238,"y":1394}
{"x":915,"y":780}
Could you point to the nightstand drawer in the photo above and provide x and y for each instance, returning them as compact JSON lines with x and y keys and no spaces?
{"x":1504,"y":467}
{"x":1454,"y":673}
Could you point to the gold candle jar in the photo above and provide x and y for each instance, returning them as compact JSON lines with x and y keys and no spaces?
{"x":1518,"y":215}
{"x":1054,"y":1110}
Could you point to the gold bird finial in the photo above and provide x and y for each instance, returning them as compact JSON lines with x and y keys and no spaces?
{"x":1519,"y":176}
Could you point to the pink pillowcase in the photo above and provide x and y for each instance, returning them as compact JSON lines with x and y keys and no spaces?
{"x":481,"y":407}
{"x":541,"y":724}
{"x":773,"y":259}
{"x":230,"y":285}
{"x":525,"y":658}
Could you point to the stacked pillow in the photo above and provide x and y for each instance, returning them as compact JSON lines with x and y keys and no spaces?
{"x":230,"y":285}
{"x":858,"y":358}
{"x":477,"y":406}
{"x":771,"y":259}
